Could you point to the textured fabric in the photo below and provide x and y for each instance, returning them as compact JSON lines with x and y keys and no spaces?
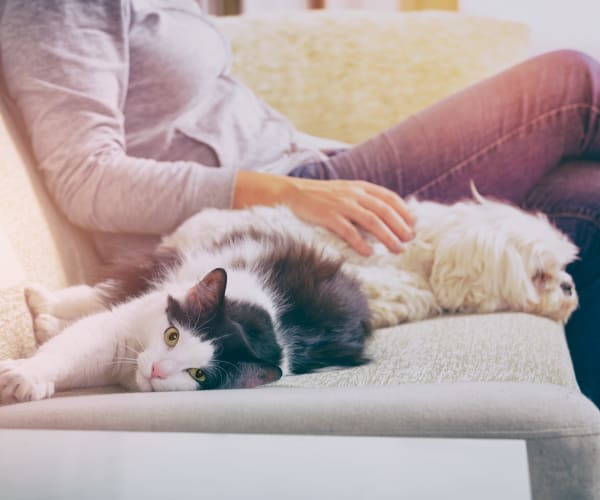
{"x":38,"y":244}
{"x":465,"y":410}
{"x":472,"y":348}
{"x":349,"y":75}
{"x":16,"y":339}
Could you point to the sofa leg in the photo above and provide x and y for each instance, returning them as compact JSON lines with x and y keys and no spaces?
{"x":565,"y":467}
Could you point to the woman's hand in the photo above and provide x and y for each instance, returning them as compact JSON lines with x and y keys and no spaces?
{"x":339,"y":205}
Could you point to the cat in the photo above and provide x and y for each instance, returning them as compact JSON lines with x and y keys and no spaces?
{"x":253,"y":307}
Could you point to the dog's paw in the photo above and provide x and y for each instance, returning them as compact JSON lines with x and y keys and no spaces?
{"x":385,"y":314}
{"x":20,"y":381}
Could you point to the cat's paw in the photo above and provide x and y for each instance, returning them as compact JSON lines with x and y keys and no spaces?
{"x":40,"y":303}
{"x":19,"y":381}
{"x":46,"y":326}
{"x":39,"y":300}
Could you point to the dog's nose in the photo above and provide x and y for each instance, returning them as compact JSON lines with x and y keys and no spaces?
{"x":567,"y":288}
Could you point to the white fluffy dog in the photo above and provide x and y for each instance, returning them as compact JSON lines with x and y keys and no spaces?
{"x":475,"y":256}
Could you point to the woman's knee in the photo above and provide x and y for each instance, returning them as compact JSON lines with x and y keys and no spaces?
{"x":581,"y":68}
{"x":570,"y":60}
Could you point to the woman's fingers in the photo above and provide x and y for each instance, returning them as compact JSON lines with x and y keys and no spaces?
{"x":350,"y":234}
{"x":372,"y":223}
{"x":393,"y":201}
{"x":384,"y":222}
{"x":345,"y":207}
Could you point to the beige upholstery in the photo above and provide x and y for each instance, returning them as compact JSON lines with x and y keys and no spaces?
{"x":350,"y":75}
{"x":37,"y":245}
{"x":346,"y":76}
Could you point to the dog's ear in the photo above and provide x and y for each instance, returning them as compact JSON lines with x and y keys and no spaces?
{"x":516,"y":279}
{"x":480,"y":270}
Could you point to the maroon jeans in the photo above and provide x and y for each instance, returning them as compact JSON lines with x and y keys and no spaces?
{"x":531,"y":135}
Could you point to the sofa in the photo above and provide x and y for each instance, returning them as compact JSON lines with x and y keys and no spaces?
{"x":344,"y":75}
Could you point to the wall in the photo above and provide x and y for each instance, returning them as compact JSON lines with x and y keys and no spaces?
{"x":555,"y":24}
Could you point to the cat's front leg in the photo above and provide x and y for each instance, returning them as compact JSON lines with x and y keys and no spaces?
{"x":82,"y":356}
{"x":19,"y":383}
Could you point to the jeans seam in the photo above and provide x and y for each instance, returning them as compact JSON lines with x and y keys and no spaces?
{"x":576,"y":215}
{"x":399,"y":171}
{"x":502,"y":140}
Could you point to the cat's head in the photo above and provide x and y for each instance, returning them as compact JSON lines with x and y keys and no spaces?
{"x":200,"y":346}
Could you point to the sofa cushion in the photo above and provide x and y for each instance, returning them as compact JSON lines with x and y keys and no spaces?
{"x":349,"y":74}
{"x":507,"y":347}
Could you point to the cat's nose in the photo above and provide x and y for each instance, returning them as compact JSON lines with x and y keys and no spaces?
{"x":157,"y":371}
{"x":567,"y":288}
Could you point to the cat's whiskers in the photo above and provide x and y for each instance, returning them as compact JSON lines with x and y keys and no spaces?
{"x":136,"y":352}
{"x":217,"y":339}
{"x":221,"y":371}
{"x":124,"y":358}
{"x":222,"y":362}
{"x":121,"y":362}
{"x":120,"y":359}
{"x":197,"y":326}
{"x":139,"y":342}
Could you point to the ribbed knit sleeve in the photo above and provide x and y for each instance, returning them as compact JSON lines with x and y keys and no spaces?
{"x":66,"y":65}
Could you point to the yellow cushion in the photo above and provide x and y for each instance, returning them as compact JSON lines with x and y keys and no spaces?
{"x":348,"y":75}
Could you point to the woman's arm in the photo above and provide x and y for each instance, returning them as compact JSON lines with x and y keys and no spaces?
{"x":67,"y":67}
{"x":66,"y":64}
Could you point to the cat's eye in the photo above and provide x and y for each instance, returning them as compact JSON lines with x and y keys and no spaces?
{"x":197,"y":374}
{"x":171,"y":336}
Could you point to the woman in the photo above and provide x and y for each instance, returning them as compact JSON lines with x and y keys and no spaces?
{"x":136,"y":125}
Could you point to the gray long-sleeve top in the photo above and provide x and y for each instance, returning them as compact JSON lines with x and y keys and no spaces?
{"x":133,"y":116}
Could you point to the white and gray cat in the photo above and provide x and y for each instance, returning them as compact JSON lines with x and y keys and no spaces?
{"x":251,"y":307}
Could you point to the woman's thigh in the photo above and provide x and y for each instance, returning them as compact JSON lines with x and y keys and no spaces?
{"x":504,"y":133}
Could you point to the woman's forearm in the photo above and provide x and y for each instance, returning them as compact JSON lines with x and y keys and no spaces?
{"x":339,"y":205}
{"x":259,"y":188}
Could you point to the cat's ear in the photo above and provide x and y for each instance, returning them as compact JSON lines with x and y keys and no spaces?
{"x":205,"y":299}
{"x":248,"y":374}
